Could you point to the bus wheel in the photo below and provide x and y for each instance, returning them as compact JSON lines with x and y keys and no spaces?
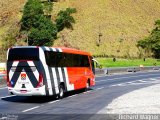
{"x":61,"y":92}
{"x":87,"y":85}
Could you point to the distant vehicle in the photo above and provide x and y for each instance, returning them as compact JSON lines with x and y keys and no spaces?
{"x":46,"y":71}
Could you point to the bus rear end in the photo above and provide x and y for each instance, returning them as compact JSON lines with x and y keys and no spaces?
{"x":24,"y":72}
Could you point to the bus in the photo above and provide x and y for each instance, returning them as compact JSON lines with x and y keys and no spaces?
{"x":48,"y":71}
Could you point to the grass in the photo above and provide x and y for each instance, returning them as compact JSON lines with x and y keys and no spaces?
{"x":127,"y":20}
{"x":119,"y":20}
{"x":108,"y":62}
{"x":10,"y":13}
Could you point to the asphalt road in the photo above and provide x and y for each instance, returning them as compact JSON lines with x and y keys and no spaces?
{"x":79,"y":104}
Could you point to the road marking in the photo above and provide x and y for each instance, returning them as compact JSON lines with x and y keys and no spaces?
{"x":53,"y":101}
{"x":125,"y":77}
{"x":138,"y":82}
{"x":30,"y":109}
{"x":72,"y":96}
{"x":99,"y":88}
{"x":153,"y":79}
{"x":87,"y":91}
{"x":143,"y":81}
{"x":7,"y":96}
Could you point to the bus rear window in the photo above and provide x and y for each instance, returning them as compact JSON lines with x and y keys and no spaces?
{"x":23,"y":54}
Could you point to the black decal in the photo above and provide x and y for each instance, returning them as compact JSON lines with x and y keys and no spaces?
{"x":20,"y":67}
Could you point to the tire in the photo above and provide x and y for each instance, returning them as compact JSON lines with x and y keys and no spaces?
{"x":61,"y":92}
{"x":87,"y":86}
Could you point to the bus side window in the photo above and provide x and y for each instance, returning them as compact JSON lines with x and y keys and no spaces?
{"x":86,"y":61}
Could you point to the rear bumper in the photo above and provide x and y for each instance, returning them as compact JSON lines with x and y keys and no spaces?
{"x":28,"y":92}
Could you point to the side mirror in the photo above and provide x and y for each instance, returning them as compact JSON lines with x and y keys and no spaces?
{"x":97,"y":64}
{"x":100,"y":66}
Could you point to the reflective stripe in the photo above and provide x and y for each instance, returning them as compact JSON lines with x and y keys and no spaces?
{"x":69,"y":86}
{"x":36,"y":73}
{"x":10,"y":71}
{"x":64,"y":76}
{"x":55,"y":80}
{"x":48,"y":76}
{"x":54,"y":76}
{"x":60,"y":75}
{"x":30,"y":75}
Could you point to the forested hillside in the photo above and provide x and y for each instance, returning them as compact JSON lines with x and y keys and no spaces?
{"x":103,"y":27}
{"x":121,"y":24}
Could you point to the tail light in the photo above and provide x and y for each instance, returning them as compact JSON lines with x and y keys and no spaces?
{"x":8,"y":82}
{"x":40,"y":82}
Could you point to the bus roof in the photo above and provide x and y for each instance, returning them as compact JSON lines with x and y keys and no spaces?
{"x":64,"y":49}
{"x":73,"y":50}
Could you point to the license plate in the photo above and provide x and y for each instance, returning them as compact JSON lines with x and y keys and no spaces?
{"x":23,"y":91}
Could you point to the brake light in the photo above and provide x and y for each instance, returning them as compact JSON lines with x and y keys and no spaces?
{"x":8,"y":82}
{"x":40,"y":82}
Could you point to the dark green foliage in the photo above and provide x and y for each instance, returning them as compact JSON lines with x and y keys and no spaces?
{"x":40,"y":29}
{"x":43,"y":34}
{"x":153,"y":41}
{"x":37,"y":25}
{"x":64,"y":19}
{"x":48,"y":7}
{"x":33,"y":9}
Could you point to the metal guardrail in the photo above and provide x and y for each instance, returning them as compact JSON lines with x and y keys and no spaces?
{"x":125,"y":69}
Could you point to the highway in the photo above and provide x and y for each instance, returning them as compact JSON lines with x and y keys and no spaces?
{"x":79,"y":104}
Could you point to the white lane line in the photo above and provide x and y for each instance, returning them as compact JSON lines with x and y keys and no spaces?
{"x":30,"y":109}
{"x":120,"y":84}
{"x":143,"y":81}
{"x":125,"y":77}
{"x":138,"y":82}
{"x":87,"y":91}
{"x":72,"y":96}
{"x":53,"y":101}
{"x":153,"y":79}
{"x":7,"y":96}
{"x":99,"y":88}
{"x":3,"y":88}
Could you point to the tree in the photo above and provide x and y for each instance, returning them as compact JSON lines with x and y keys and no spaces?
{"x":48,"y":7}
{"x":37,"y":25}
{"x":153,"y":41}
{"x":64,"y":19}
{"x":40,"y":29}
{"x":43,"y":34}
{"x":33,"y":10}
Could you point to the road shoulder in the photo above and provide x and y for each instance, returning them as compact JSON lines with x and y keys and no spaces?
{"x":141,"y":101}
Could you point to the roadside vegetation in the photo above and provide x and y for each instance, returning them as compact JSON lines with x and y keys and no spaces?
{"x":34,"y":25}
{"x":107,"y":28}
{"x":119,"y":23}
{"x":152,"y":42}
{"x":109,"y":62}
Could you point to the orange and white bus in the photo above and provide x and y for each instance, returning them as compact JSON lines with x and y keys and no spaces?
{"x":47,"y":71}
